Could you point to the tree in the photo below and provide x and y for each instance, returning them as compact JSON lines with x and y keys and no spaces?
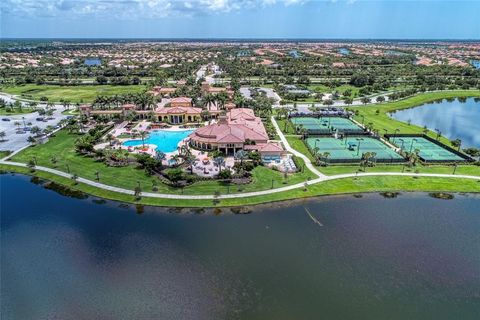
{"x":241,"y":155}
{"x":74,"y":178}
{"x":31,"y":165}
{"x":366,"y":100}
{"x":380,"y":99}
{"x":160,"y":156}
{"x":35,"y":130}
{"x":31,"y":139}
{"x":143,"y":135}
{"x":225,"y":174}
{"x":174,"y":175}
{"x":2,"y":136}
{"x":219,"y":161}
{"x":457,"y":143}
{"x":190,"y":160}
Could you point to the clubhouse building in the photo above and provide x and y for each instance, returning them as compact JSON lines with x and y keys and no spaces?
{"x":240,"y":129}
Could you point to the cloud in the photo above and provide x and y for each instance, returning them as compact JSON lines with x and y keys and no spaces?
{"x":132,"y":8}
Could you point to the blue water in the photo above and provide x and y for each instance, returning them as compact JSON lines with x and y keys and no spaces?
{"x":411,"y":257}
{"x":294,"y":54}
{"x":166,"y":141}
{"x":455,"y":119}
{"x":476,"y":63}
{"x":93,"y":62}
{"x":344,"y":51}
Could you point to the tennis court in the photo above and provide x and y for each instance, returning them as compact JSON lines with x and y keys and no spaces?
{"x":327,"y":125}
{"x":429,"y":151}
{"x":350,"y":149}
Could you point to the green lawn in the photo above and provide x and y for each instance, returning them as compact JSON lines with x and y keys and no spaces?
{"x":80,"y":93}
{"x":339,"y":186}
{"x":383,"y":121}
{"x":62,"y":147}
{"x":15,"y":111}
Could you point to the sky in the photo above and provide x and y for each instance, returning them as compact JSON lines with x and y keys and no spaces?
{"x":316,"y":19}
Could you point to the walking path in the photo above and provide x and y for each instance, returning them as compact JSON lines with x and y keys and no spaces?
{"x":235,"y":195}
{"x":308,"y":163}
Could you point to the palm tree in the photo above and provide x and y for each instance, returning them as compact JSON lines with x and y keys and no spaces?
{"x":457,"y":143}
{"x":143,"y":135}
{"x":175,"y":158}
{"x":160,"y":156}
{"x":2,"y":136}
{"x":366,"y":100}
{"x":109,"y":138}
{"x":315,"y":150}
{"x":282,"y":112}
{"x":241,"y":154}
{"x":190,"y":161}
{"x":219,"y":161}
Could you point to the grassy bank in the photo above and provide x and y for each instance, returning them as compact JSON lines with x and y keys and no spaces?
{"x":62,"y":147}
{"x":79,"y":93}
{"x":383,"y":121}
{"x":340,"y":186}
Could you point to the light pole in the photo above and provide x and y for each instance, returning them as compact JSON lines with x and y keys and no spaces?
{"x":455,"y":167}
{"x":395,"y":134}
{"x":411,"y":145}
{"x":24,"y":125}
{"x":403,"y":142}
{"x":358,"y":148}
{"x":363,"y":119}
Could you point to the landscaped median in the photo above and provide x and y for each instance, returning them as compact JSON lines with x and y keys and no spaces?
{"x":353,"y":185}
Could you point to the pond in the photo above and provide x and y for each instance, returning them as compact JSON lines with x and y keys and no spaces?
{"x":166,"y":141}
{"x":92,"y":62}
{"x":391,"y":256}
{"x":476,"y":63}
{"x":455,"y":119}
{"x":344,"y":51}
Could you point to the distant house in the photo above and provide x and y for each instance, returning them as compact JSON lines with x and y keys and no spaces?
{"x":181,"y":102}
{"x":162,"y":91}
{"x":178,"y":114}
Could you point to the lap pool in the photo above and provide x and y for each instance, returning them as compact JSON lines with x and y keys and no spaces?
{"x":166,"y":141}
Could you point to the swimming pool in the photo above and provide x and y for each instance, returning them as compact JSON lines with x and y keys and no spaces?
{"x":166,"y":141}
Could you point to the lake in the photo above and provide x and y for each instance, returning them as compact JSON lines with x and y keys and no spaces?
{"x":344,"y":51}
{"x":455,"y":119}
{"x":373,"y":257}
{"x":92,"y":62}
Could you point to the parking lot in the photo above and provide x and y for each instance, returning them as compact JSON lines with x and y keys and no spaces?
{"x":13,"y":140}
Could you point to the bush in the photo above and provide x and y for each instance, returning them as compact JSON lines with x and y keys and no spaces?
{"x":225,"y":174}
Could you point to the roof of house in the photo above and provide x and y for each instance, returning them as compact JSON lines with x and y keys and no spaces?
{"x":178,"y":110}
{"x":239,"y":125}
{"x":181,"y":100}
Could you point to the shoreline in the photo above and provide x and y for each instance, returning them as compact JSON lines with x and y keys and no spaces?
{"x":438,"y":184}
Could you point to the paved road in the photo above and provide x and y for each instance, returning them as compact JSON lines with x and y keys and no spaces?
{"x":209,"y":78}
{"x":16,"y":141}
{"x":235,"y":195}
{"x":321,"y":178}
{"x":246,"y":93}
{"x":308,"y":163}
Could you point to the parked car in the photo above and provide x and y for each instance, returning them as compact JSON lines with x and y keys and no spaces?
{"x":5,"y":119}
{"x":39,"y":119}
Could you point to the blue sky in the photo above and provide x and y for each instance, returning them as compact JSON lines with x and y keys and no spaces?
{"x":362,"y":19}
